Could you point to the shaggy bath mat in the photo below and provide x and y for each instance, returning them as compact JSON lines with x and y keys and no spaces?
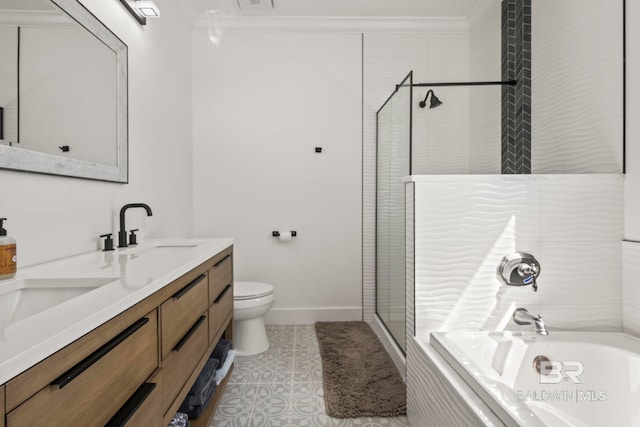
{"x":360,"y":379}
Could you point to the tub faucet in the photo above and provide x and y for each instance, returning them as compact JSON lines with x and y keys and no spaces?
{"x":122,"y":234}
{"x":522,"y":317}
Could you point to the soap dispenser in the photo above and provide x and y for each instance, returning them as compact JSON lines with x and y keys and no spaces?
{"x":7,"y":253}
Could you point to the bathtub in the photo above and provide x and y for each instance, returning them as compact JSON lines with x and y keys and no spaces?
{"x":590,"y":378}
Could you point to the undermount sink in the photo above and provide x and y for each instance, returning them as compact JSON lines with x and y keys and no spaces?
{"x":161,"y":247}
{"x":24,"y":298}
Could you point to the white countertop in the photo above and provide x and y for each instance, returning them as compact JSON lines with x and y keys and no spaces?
{"x":137,"y":272}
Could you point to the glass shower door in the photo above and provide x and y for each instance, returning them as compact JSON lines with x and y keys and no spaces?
{"x":392,"y":164}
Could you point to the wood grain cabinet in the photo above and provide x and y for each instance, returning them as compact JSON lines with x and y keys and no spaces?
{"x":182,"y":360}
{"x":109,"y":375}
{"x":220,"y":313}
{"x":220,"y":275}
{"x":181,"y":311}
{"x":143,"y":408}
{"x":137,"y":368}
{"x":2,"y":405}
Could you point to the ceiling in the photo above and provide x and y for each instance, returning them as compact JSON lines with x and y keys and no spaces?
{"x":26,"y":5}
{"x":337,"y":8}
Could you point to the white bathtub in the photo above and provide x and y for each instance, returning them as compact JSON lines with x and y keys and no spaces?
{"x":594,"y":379}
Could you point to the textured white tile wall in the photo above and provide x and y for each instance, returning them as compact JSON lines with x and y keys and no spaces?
{"x":437,"y":396}
{"x":464,"y":226}
{"x":441,"y":135}
{"x":485,"y":102}
{"x":631,"y":287}
{"x":577,"y":80}
{"x":410,"y":253}
{"x":632,"y":177}
{"x":387,"y":59}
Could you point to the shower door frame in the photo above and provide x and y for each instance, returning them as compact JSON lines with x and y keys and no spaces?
{"x":406,"y":82}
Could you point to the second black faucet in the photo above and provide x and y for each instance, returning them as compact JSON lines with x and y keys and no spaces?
{"x":122,"y":234}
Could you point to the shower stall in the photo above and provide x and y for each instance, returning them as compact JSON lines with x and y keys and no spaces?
{"x":397,"y":158}
{"x":532,"y":165}
{"x":393,"y":162}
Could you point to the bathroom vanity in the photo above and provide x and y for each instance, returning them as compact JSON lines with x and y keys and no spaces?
{"x":114,"y":338}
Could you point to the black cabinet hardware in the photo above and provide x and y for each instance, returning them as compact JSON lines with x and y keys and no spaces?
{"x":131,"y":406}
{"x":190,"y":332}
{"x":222,"y":294}
{"x":186,"y":289}
{"x":221,"y":261}
{"x":87,"y":362}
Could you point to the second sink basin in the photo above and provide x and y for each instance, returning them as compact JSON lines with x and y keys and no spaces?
{"x":161,"y":247}
{"x":24,"y":298}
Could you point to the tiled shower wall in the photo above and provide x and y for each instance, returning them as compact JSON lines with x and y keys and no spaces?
{"x":387,"y":59}
{"x":630,"y":288}
{"x":577,"y":85}
{"x":464,"y":225}
{"x":567,"y":59}
{"x":516,"y":100}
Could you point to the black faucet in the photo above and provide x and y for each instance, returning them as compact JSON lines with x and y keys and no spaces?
{"x":122,"y":234}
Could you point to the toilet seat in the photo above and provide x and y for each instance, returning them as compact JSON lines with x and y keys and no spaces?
{"x":251,"y":290}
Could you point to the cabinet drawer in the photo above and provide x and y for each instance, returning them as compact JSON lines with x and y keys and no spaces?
{"x":181,"y":361}
{"x":143,"y":407}
{"x":181,"y":311}
{"x":220,"y":275}
{"x":94,"y":389}
{"x":219,"y":311}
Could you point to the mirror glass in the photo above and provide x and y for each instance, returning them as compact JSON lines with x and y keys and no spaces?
{"x":62,"y":91}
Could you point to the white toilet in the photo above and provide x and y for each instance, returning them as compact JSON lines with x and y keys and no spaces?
{"x":251,"y":302}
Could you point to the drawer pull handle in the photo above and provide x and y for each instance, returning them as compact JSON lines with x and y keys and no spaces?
{"x":86,"y":363}
{"x":190,"y":332}
{"x":222,"y":294}
{"x":221,"y":261}
{"x":131,"y":406}
{"x":187,"y":288}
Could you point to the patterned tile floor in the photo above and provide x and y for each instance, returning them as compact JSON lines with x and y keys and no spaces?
{"x":283,"y":387}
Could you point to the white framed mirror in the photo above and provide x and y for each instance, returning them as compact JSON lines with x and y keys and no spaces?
{"x":63,"y":92}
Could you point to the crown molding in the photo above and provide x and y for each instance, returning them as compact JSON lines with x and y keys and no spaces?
{"x":222,"y":23}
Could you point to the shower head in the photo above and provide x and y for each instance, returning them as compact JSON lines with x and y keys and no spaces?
{"x":434,"y":103}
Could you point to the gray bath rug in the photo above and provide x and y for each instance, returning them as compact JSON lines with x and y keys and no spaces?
{"x":359,"y":377}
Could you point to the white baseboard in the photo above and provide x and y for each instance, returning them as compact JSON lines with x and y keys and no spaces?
{"x":309,"y":316}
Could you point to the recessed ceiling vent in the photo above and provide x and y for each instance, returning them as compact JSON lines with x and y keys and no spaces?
{"x":256,"y":5}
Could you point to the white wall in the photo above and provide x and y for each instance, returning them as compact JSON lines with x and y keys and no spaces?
{"x":440,"y":136}
{"x":632,"y":177}
{"x":631,"y":281}
{"x":54,"y":217}
{"x":262,"y":103}
{"x":485,"y":102}
{"x":436,"y":52}
{"x":576,"y":105}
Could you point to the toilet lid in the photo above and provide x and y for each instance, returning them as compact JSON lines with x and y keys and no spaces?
{"x":250,"y":290}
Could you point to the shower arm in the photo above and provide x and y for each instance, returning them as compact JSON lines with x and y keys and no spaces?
{"x":490,"y":83}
